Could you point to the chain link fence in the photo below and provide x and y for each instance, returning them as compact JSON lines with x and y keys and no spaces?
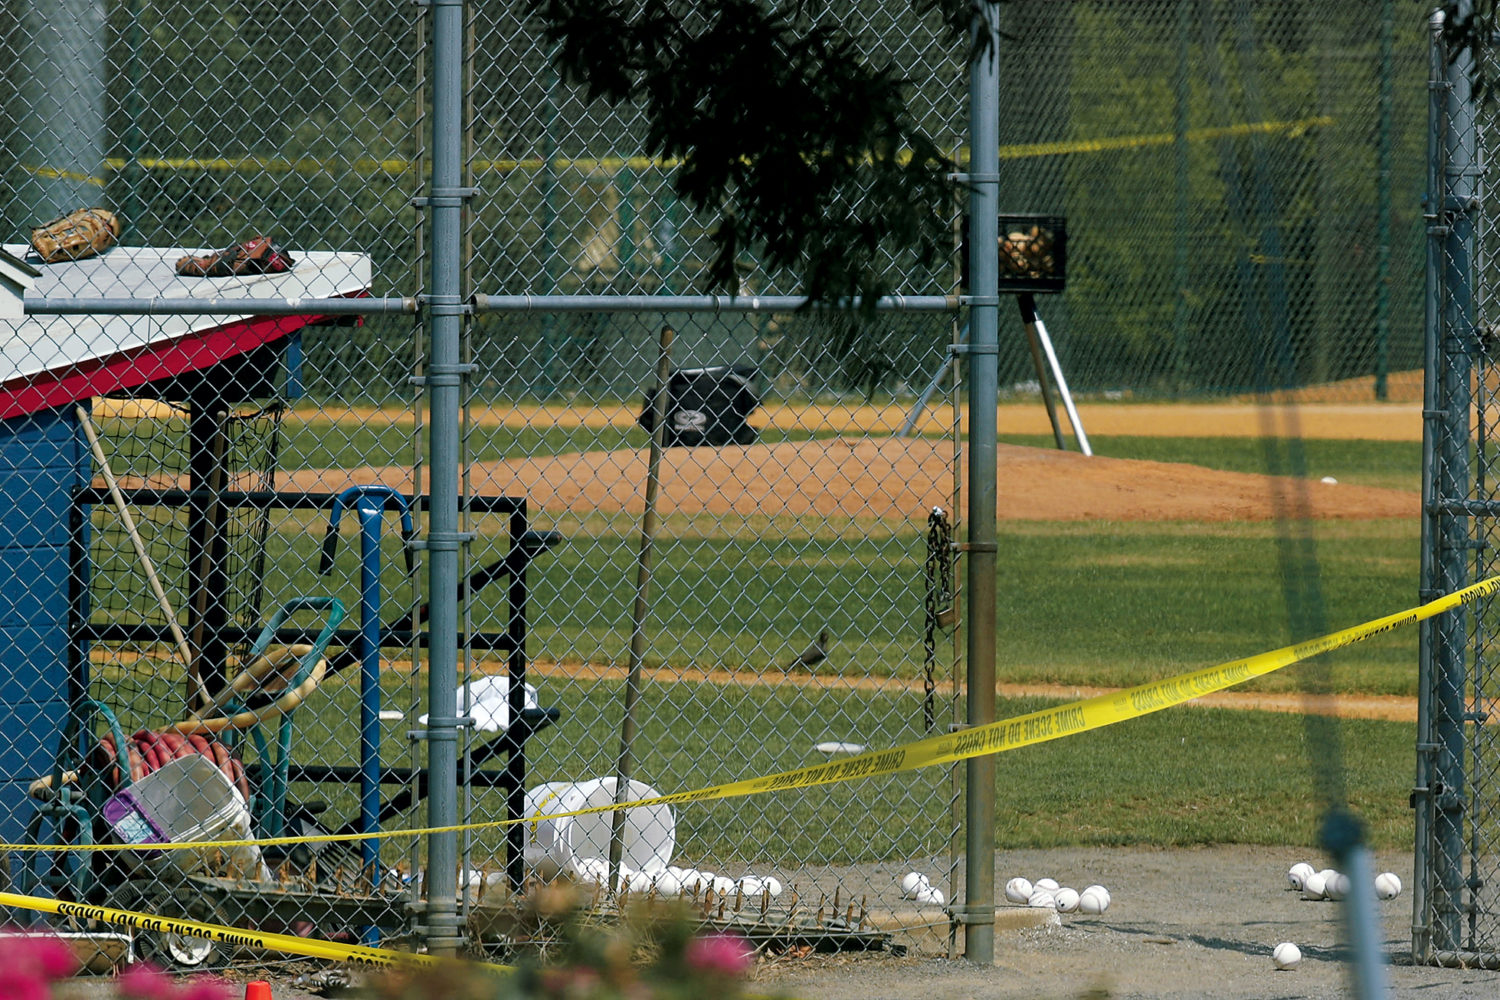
{"x":780,"y":620}
{"x":221,"y":629}
{"x":1228,"y":169}
{"x":1236,"y":174}
{"x":180,"y":665}
{"x":1456,"y":918}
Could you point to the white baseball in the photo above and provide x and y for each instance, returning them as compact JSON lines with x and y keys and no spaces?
{"x":1387,"y":885}
{"x":666,"y":883}
{"x":1092,"y":902}
{"x":1050,"y":884}
{"x":1298,"y":874}
{"x":749,"y":886}
{"x":1338,"y":887}
{"x":1042,"y":899}
{"x":772,"y":885}
{"x":1066,"y":899}
{"x":723,"y":885}
{"x":1099,"y":891}
{"x":1328,"y":874}
{"x":931,"y":895}
{"x":1286,"y":955}
{"x":911,"y":882}
{"x":1314,"y":887}
{"x":638,"y":881}
{"x":1018,"y":890}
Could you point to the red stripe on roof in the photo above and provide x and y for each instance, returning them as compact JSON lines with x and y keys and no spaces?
{"x":126,"y":370}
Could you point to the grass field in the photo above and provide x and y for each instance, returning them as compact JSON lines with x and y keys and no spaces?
{"x":1185,"y":776}
{"x":1091,"y":603}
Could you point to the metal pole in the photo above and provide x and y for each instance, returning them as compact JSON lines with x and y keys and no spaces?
{"x":370,"y":516}
{"x":1460,"y":189}
{"x":602,"y":303}
{"x":1028,"y":321}
{"x":978,"y":912}
{"x":1422,"y":864}
{"x":59,"y":125}
{"x":1383,"y":204}
{"x":547,"y":383}
{"x":1038,"y":330}
{"x":444,"y":380}
{"x":920,"y":406}
{"x":642,"y":606}
{"x":130,"y":227}
{"x":1181,"y":90}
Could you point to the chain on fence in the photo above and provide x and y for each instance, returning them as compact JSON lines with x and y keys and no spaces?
{"x":189,"y":599}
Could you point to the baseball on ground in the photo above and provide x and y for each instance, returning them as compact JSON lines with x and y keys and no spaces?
{"x":1387,"y":885}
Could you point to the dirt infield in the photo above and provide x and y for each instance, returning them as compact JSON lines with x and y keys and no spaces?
{"x":894,"y":479}
{"x":1339,"y":421}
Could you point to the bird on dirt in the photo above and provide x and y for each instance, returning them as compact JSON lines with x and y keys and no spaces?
{"x":815,"y":653}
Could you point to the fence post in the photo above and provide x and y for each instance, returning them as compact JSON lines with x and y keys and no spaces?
{"x":444,"y":380}
{"x":1383,"y":203}
{"x":978,"y":912}
{"x":1442,"y":793}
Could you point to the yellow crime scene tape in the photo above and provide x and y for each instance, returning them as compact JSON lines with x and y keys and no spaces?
{"x":948,"y":748}
{"x":396,"y":166}
{"x":353,"y":954}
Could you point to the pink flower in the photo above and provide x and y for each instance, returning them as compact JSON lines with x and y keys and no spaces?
{"x":144,"y":981}
{"x":720,"y":954}
{"x":20,"y":985}
{"x":50,"y":955}
{"x":205,"y":988}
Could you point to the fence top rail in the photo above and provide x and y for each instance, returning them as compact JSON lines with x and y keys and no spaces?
{"x":159,"y":306}
{"x":410,"y":304}
{"x":702,"y":303}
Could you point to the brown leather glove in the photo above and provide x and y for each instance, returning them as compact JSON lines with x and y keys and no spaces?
{"x":80,"y":234}
{"x":257,"y":255}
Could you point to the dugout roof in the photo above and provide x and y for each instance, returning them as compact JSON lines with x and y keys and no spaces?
{"x":51,"y":361}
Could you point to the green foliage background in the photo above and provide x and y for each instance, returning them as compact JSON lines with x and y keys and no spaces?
{"x":1218,"y":163}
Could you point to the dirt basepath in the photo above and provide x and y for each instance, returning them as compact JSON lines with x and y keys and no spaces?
{"x":1392,"y":708}
{"x":895,"y":479}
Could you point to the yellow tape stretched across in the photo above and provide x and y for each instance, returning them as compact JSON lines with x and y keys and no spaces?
{"x":395,"y":166}
{"x":291,"y":944}
{"x":995,"y":737}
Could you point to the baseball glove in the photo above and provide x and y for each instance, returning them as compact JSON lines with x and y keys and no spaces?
{"x":78,"y":235}
{"x":257,"y":255}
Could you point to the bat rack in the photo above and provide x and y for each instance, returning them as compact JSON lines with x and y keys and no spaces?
{"x":525,"y":546}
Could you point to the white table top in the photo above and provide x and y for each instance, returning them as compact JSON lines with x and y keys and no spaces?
{"x":39,"y":344}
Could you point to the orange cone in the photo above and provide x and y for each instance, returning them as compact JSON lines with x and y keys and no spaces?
{"x":258,"y":990}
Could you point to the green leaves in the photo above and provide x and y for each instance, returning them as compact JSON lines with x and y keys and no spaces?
{"x":800,"y":148}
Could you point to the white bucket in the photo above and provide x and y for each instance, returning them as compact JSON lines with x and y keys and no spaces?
{"x":557,"y":845}
{"x":186,"y":800}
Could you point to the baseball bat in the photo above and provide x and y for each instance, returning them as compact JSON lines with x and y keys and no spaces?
{"x":147,"y":566}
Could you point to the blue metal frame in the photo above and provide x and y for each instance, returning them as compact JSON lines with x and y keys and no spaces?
{"x":370,"y":502}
